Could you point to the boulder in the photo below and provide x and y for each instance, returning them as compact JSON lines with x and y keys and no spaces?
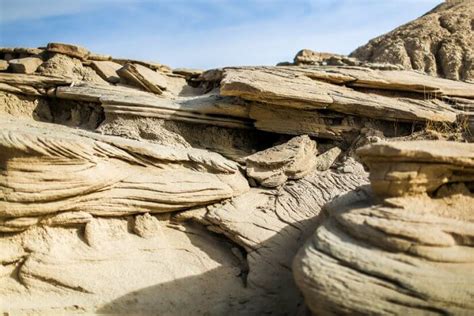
{"x":26,"y":65}
{"x":411,"y":252}
{"x":291,"y":160}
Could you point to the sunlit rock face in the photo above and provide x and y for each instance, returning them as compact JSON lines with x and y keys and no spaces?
{"x":129,"y":187}
{"x":439,"y":43}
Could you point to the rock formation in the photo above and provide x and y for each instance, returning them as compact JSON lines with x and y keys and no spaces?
{"x":129,"y":187}
{"x":439,"y":43}
{"x":411,"y":251}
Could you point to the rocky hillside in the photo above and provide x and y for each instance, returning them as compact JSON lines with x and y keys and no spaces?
{"x":127,"y":187}
{"x":439,"y":43}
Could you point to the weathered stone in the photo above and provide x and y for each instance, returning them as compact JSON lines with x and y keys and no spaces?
{"x":60,"y":65}
{"x":289,"y":88}
{"x":147,"y":226}
{"x":99,"y":57}
{"x":141,"y":76}
{"x":3,"y":65}
{"x":411,"y":254}
{"x":89,"y":168}
{"x":309,"y":57}
{"x":26,"y":65}
{"x":399,"y":168}
{"x":440,"y":43}
{"x":107,"y":70}
{"x":291,"y":160}
{"x":188,"y":72}
{"x":68,"y":49}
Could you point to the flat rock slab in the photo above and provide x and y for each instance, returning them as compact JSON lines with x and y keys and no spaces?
{"x":407,"y":168}
{"x":291,"y":160}
{"x":107,"y":70}
{"x":26,"y":65}
{"x":294,"y":88}
{"x":67,"y":49}
{"x":144,"y":77}
{"x":50,"y":169}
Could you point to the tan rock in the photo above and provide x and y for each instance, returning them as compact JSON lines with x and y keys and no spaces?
{"x":291,"y":160}
{"x":3,"y":65}
{"x":89,"y":169}
{"x":411,"y":254}
{"x":439,"y":43}
{"x":63,"y":66}
{"x":327,"y":159}
{"x":289,"y":88}
{"x":98,"y":57}
{"x":68,"y":49}
{"x":407,"y":168}
{"x":26,"y":65}
{"x":309,"y":57}
{"x":147,"y":226}
{"x":143,"y":77}
{"x":107,"y":70}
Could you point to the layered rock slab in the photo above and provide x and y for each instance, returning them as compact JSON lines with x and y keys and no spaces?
{"x":411,"y":254}
{"x":271,"y":224}
{"x":291,"y":160}
{"x":49,"y":170}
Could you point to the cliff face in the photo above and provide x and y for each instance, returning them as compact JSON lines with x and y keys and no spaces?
{"x":439,"y":43}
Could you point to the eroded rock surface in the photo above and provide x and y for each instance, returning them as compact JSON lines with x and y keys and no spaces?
{"x":127,"y":187}
{"x":410,"y":254}
{"x":440,"y":42}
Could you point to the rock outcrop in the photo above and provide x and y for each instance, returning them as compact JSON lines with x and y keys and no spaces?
{"x":439,"y":43}
{"x":127,"y":187}
{"x":409,"y":253}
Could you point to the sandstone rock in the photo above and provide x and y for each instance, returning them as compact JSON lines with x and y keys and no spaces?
{"x":327,"y":159}
{"x":3,"y":65}
{"x":292,"y":89}
{"x":417,"y":167}
{"x":411,"y":254}
{"x":68,"y":49}
{"x":188,"y":72}
{"x":60,"y":65}
{"x":107,"y":70}
{"x":291,"y":160}
{"x":26,"y":65}
{"x":67,"y":219}
{"x":439,"y":43}
{"x":152,"y":65}
{"x":98,"y":57}
{"x":309,"y":57}
{"x":32,"y":85}
{"x":92,"y":168}
{"x":147,"y":226}
{"x":271,"y":225}
{"x":143,"y":77}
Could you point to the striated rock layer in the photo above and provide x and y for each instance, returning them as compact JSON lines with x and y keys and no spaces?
{"x":410,"y":253}
{"x":127,"y":187}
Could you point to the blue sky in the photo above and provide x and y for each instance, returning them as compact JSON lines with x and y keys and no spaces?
{"x":204,"y":33}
